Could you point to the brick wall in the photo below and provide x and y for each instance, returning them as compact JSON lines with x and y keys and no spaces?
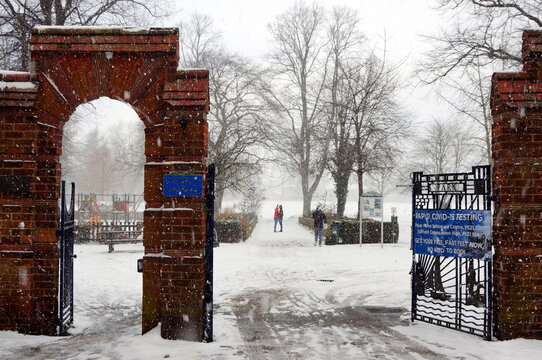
{"x":517,"y":183}
{"x":74,"y":66}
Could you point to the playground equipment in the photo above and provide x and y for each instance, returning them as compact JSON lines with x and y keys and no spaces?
{"x":109,"y":207}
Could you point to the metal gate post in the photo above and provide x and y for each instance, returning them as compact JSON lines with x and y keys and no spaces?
{"x":62,"y":252}
{"x":71,"y":238}
{"x":209,"y":249}
{"x":66,"y":256}
{"x":489,"y":268}
{"x":415,"y":186}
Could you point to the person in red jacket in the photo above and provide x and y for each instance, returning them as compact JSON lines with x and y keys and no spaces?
{"x":276,"y":217}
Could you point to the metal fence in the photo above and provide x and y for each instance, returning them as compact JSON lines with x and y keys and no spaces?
{"x":109,"y":207}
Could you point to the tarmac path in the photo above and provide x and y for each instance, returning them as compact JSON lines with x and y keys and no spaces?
{"x":293,"y":322}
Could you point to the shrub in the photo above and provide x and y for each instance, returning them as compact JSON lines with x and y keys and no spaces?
{"x":307,"y":222}
{"x":229,"y":231}
{"x":232,"y":227}
{"x":346,"y":231}
{"x":82,"y":232}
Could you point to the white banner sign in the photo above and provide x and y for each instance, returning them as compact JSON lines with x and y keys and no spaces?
{"x":371,"y":206}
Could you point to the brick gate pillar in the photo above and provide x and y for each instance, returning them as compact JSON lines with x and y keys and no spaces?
{"x":72,"y":66}
{"x":28,"y":215}
{"x":517,"y":182}
{"x":174,"y":261}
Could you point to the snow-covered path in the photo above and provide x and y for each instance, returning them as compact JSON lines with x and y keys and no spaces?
{"x":292,"y":300}
{"x":276,"y":297}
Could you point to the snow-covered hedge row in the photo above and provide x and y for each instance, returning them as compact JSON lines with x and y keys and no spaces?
{"x":229,"y":231}
{"x":346,"y":231}
{"x":236,"y":228}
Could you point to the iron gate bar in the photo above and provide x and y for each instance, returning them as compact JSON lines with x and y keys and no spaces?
{"x":450,"y":291}
{"x":209,"y":250}
{"x":66,"y":256}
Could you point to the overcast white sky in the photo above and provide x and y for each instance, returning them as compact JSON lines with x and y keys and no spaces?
{"x":243,"y":24}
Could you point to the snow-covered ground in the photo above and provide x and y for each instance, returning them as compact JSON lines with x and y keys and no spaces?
{"x":276,"y":297}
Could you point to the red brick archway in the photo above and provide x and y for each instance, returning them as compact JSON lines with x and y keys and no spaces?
{"x":72,"y":66}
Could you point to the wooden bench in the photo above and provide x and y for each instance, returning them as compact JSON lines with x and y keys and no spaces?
{"x":115,"y":234}
{"x":110,"y":238}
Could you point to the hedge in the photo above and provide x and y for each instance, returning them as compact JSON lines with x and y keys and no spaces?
{"x":307,"y":222}
{"x":235,"y":230}
{"x":347,"y":231}
{"x":229,"y":231}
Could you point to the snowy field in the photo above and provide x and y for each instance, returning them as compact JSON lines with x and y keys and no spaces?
{"x":276,"y":297}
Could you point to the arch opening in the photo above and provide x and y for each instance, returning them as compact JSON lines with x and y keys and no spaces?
{"x":103,"y":147}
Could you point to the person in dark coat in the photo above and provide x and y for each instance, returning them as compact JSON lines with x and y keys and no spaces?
{"x":281,"y":215}
{"x":319,"y":219}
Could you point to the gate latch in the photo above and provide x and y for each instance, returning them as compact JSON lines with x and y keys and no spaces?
{"x":139,"y":265}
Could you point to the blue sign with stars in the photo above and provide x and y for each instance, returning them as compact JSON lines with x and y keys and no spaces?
{"x":183,"y":185}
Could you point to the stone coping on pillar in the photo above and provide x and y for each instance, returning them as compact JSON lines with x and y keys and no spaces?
{"x":190,"y":88}
{"x":514,"y":90}
{"x":115,"y":39}
{"x":532,"y":43}
{"x":17,"y":90}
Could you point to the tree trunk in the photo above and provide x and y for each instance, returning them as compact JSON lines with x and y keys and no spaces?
{"x":219,"y":196}
{"x":341,"y":191}
{"x":360,"y":188}
{"x":307,"y":196}
{"x":25,"y":51}
{"x":307,"y":205}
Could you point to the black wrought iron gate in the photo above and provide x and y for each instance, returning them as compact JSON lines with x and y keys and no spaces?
{"x":451,"y":267}
{"x":66,"y":256}
{"x":209,"y":249}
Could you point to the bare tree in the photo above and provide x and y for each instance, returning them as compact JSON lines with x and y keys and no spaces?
{"x":199,"y":40}
{"x":235,"y":128}
{"x":17,"y":18}
{"x":90,"y":150}
{"x":341,"y":161}
{"x":236,"y":107}
{"x":471,"y":102}
{"x":300,"y":134}
{"x":485,"y":36}
{"x":484,"y":32}
{"x":93,"y":165}
{"x":345,"y":41}
{"x":444,"y":146}
{"x":379,"y":122}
